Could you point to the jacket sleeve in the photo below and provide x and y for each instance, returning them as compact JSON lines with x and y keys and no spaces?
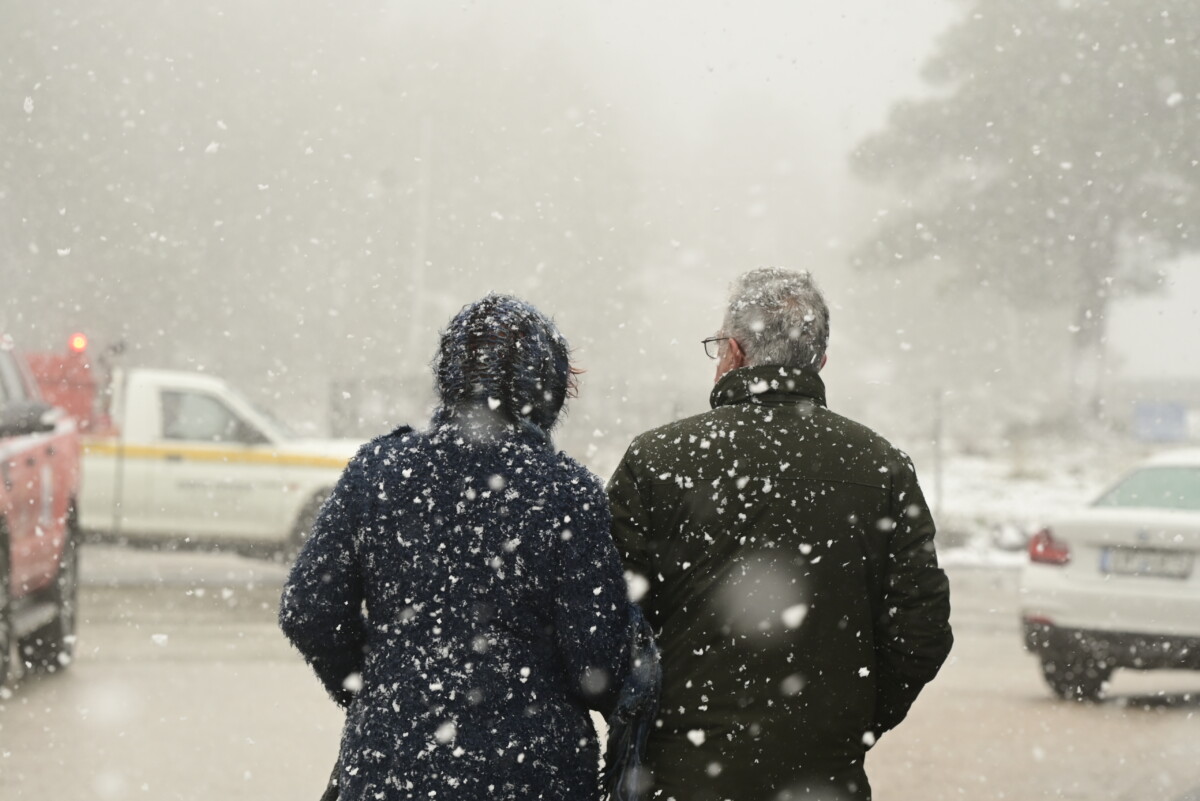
{"x":592,"y":616}
{"x":631,"y":527}
{"x":913,"y":635}
{"x":321,"y":607}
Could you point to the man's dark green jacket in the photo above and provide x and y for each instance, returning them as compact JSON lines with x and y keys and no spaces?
{"x":792,"y":579}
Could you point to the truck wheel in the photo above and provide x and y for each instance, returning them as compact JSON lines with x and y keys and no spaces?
{"x":51,"y":648}
{"x":303,"y":527}
{"x":6,"y":638}
{"x":1075,"y":677}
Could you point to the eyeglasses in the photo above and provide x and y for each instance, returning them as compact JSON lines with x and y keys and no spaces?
{"x":711,"y":349}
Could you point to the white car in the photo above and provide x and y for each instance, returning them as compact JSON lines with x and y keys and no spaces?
{"x":1114,"y":585}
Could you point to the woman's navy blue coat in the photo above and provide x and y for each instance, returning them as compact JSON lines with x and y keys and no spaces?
{"x":466,"y":580}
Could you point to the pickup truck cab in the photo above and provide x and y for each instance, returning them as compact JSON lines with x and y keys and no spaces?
{"x":39,"y":536}
{"x":189,"y":459}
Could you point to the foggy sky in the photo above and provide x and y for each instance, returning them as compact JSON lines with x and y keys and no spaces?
{"x":664,"y":149}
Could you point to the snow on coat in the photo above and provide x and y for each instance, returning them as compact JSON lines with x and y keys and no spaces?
{"x":461,"y":595}
{"x":792,"y":577}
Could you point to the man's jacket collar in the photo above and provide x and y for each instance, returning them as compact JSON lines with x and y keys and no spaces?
{"x":769,"y":385}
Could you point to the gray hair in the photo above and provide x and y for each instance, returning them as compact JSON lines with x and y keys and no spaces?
{"x":778,"y":316}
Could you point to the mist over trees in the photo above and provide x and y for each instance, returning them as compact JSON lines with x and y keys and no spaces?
{"x":1054,"y":166}
{"x":297,"y":196}
{"x":291,"y":199}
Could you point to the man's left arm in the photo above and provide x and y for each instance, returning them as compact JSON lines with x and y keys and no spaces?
{"x":913,"y":633}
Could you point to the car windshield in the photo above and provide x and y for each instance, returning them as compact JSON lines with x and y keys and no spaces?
{"x":1157,"y":487}
{"x":276,"y":428}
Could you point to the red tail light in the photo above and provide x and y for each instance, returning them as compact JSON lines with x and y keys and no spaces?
{"x":1045,"y":550}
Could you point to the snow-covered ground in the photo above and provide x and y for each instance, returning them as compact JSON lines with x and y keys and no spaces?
{"x":109,"y":565}
{"x":989,"y":510}
{"x":184,"y":688}
{"x":991,"y":505}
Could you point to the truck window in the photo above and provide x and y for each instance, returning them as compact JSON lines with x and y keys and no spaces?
{"x":198,"y":417}
{"x":12,"y":388}
{"x":3,"y":385}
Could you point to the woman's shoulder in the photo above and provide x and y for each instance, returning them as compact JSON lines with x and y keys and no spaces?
{"x":387,"y":448}
{"x":574,"y":471}
{"x":549,"y":478}
{"x":576,"y":483}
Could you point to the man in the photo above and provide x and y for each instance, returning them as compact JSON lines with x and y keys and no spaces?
{"x":789,"y":566}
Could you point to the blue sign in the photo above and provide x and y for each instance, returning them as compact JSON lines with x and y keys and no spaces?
{"x":1156,"y":421}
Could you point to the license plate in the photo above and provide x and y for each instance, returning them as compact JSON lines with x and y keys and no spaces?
{"x":1147,"y":562}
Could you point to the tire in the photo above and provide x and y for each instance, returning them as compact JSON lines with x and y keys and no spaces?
{"x":304,"y":523}
{"x":1075,"y":677}
{"x":52,"y":647}
{"x":6,"y":631}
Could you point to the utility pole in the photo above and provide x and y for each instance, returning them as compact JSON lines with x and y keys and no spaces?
{"x":938,"y":462}
{"x":420,"y":253}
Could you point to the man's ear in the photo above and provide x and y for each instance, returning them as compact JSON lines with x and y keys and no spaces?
{"x":824,"y":358}
{"x":732,"y":357}
{"x":736,"y":354}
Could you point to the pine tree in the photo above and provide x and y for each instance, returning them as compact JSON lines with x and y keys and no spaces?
{"x":1056,"y":161}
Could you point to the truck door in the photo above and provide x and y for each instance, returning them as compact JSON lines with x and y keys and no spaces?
{"x":219,"y":478}
{"x":21,"y":471}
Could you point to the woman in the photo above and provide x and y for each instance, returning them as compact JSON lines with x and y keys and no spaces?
{"x":460,"y":593}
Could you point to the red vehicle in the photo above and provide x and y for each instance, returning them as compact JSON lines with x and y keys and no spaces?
{"x":39,"y":538}
{"x":74,"y":382}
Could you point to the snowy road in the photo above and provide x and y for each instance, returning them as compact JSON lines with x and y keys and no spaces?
{"x":184,"y":689}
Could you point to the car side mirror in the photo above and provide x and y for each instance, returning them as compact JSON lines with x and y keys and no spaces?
{"x":27,"y":417}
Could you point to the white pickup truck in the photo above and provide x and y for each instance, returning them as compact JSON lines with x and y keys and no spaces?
{"x":184,"y":457}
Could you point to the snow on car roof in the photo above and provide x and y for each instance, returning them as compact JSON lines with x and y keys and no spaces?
{"x":1185,"y":457}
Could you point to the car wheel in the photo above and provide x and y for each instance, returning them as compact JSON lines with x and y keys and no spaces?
{"x":1075,"y":677}
{"x":6,"y":639}
{"x":302,"y":529}
{"x":51,"y":648}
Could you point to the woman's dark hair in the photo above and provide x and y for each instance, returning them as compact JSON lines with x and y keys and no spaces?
{"x":503,"y":355}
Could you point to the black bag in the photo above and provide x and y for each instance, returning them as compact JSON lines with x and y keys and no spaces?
{"x":625,"y":775}
{"x":331,"y":791}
